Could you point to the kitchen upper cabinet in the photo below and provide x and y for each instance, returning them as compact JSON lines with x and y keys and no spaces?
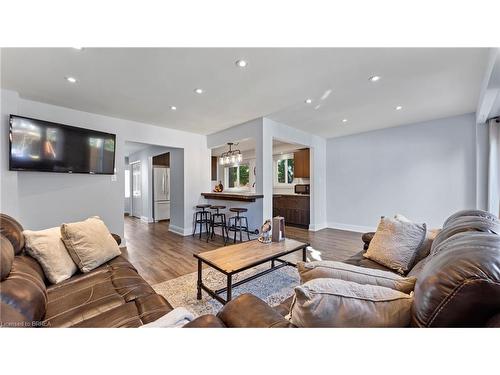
{"x":301,"y":163}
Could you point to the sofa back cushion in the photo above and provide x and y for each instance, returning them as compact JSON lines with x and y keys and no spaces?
{"x":13,"y":231}
{"x":7,"y":256}
{"x":460,"y":285}
{"x":89,"y":243}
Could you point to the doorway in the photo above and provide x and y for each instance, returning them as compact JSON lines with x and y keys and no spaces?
{"x":136,"y":189}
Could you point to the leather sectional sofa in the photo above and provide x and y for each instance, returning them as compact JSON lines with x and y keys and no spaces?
{"x":459,"y":287}
{"x":112,"y":295}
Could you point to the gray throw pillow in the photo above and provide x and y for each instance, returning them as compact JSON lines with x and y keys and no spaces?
{"x":339,"y":303}
{"x":396,"y":243}
{"x":430,"y":235}
{"x":348,"y":272}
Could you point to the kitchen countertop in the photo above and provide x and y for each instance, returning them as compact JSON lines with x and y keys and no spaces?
{"x":233,"y":196}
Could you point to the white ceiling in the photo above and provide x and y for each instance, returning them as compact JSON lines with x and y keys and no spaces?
{"x":142,"y":83}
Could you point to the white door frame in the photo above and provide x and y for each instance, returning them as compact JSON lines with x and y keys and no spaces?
{"x":132,"y":207}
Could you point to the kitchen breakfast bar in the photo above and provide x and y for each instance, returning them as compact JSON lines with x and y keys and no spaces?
{"x":248,"y":202}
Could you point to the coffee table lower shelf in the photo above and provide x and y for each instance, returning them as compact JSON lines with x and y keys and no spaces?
{"x":229,"y":275}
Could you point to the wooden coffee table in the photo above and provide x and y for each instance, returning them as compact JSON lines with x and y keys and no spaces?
{"x":233,"y":259}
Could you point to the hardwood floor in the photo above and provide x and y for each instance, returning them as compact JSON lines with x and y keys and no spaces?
{"x":160,"y":255}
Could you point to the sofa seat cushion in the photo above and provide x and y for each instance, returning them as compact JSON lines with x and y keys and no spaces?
{"x":112,"y":295}
{"x":359,"y":260}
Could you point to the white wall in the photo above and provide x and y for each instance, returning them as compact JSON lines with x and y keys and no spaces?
{"x":40,"y":200}
{"x":425,"y":171}
{"x":263,"y":130}
{"x":317,"y":145}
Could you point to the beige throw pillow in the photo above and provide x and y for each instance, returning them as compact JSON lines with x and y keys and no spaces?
{"x":339,"y":303}
{"x":348,"y":272}
{"x":89,"y":243}
{"x":47,"y":247}
{"x":396,"y":243}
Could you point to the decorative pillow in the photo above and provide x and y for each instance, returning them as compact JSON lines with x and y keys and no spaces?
{"x":339,"y":303}
{"x":89,"y":243}
{"x":348,"y":272}
{"x":396,"y":243}
{"x":47,"y":247}
{"x":430,"y":235}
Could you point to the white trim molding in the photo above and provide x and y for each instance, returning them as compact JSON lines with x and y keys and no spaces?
{"x":351,"y":228}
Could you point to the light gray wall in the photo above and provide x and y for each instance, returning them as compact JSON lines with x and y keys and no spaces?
{"x":425,"y":171}
{"x":42,"y":200}
{"x":176,"y":181}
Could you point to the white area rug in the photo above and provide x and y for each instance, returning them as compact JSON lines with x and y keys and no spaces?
{"x":273,"y":288}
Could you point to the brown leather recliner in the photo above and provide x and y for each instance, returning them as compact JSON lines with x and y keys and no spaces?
{"x":459,"y":286}
{"x":112,"y":295}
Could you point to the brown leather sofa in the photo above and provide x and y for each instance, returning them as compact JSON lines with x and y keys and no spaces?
{"x":112,"y":295}
{"x":457,"y":287}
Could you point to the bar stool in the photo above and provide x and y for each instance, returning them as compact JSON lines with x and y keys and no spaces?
{"x":202,"y":217}
{"x":237,"y":223}
{"x":218,"y":220}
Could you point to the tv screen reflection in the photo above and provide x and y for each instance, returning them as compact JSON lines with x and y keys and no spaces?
{"x":44,"y":146}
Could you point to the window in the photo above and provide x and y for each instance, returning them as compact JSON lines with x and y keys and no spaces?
{"x":238,"y":176}
{"x":127,"y":183}
{"x":284,"y":170}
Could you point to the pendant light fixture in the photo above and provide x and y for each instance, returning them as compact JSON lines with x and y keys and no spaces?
{"x":230,"y":157}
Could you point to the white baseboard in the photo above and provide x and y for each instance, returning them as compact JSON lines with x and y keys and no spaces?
{"x":351,"y":228}
{"x":181,"y":231}
{"x":316,"y":227}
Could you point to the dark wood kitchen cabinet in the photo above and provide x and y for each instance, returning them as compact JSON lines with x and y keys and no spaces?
{"x":294,"y":208}
{"x":301,"y":163}
{"x":214,"y":162}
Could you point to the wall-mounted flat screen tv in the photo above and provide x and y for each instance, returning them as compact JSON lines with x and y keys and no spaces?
{"x":37,"y":145}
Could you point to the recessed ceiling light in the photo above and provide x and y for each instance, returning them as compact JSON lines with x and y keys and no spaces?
{"x":241,"y":63}
{"x":198,"y":91}
{"x":399,"y":108}
{"x":70,"y":79}
{"x":374,"y":78}
{"x":308,"y":101}
{"x":344,"y":120}
{"x":78,"y":48}
{"x":173,"y":108}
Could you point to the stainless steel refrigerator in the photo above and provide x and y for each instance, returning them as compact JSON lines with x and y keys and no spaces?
{"x":161,"y":191}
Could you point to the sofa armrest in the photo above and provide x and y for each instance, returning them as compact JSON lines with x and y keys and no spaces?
{"x":494,"y":321}
{"x":367,"y":237}
{"x":117,"y":238}
{"x":205,"y":321}
{"x":248,"y":311}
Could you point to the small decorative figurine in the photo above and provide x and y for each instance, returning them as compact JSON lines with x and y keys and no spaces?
{"x":219,"y":187}
{"x":265,"y":231}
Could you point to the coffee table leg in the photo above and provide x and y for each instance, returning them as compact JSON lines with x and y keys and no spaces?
{"x":304,"y":254}
{"x":198,"y":295}
{"x":229,"y":288}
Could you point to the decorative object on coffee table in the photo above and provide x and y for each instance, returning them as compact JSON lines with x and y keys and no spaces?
{"x":265,"y":231}
{"x":278,"y":229}
{"x":234,"y":259}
